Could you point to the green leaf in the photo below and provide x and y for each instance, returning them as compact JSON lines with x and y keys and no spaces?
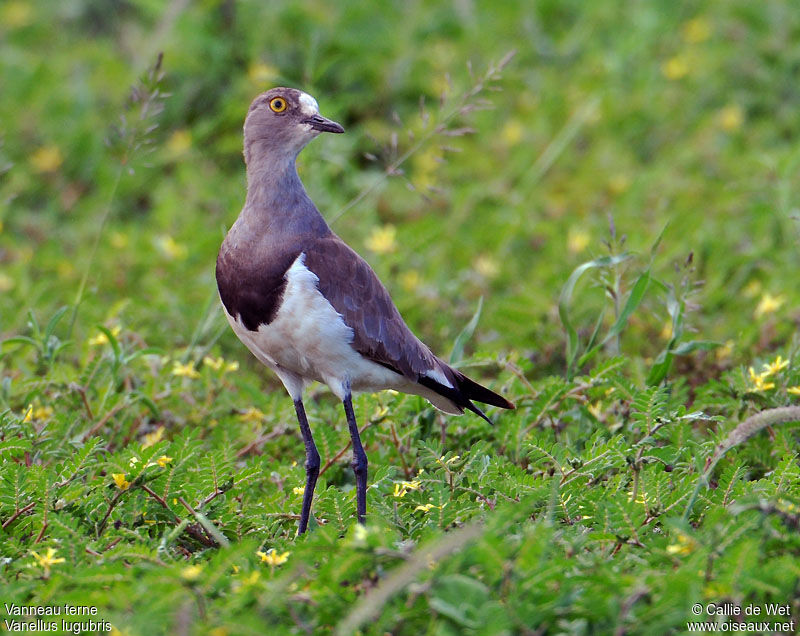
{"x":459,"y":598}
{"x":53,"y":322}
{"x":466,"y":334}
{"x":21,"y":340}
{"x":634,"y":300}
{"x":686,"y":348}
{"x":565,"y":299}
{"x":14,"y":447}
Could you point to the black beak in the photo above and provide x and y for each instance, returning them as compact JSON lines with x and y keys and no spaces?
{"x":323,"y":124}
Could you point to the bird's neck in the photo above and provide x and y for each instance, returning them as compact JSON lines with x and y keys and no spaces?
{"x":277,"y":202}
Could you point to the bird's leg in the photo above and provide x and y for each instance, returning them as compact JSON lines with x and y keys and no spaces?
{"x":312,"y":465}
{"x":359,"y":460}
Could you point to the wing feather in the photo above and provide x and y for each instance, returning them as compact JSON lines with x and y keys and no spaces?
{"x":355,"y":291}
{"x":379,"y":332}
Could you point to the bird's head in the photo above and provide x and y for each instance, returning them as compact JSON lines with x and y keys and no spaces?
{"x":282,"y":121}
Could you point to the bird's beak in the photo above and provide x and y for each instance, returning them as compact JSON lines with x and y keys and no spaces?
{"x":323,"y":124}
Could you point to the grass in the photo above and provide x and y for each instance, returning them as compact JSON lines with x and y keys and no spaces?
{"x":602,"y":227}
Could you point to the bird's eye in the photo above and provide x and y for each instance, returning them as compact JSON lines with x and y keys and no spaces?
{"x":277,"y":104}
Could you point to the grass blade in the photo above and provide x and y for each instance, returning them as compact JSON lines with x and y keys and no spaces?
{"x":466,"y":333}
{"x":565,"y":298}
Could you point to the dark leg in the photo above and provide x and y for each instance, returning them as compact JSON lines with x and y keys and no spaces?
{"x":312,"y":466}
{"x":359,"y":460}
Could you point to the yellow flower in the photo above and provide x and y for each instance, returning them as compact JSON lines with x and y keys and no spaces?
{"x":119,"y":240}
{"x":170,"y":248}
{"x":440,"y":84}
{"x":425,"y":166}
{"x":179,"y":142}
{"x":382,"y":240}
{"x":191,"y":572}
{"x":65,"y":269}
{"x":454,"y":458}
{"x":758,"y":381}
{"x":426,"y":508}
{"x":410,"y":280}
{"x":675,"y":68}
{"x":778,"y":364}
{"x":769,"y":304}
{"x":252,"y":415}
{"x":47,"y":159}
{"x":731,"y":117}
{"x":724,"y":352}
{"x":403,"y":487}
{"x":252,"y":578}
{"x":696,"y":30}
{"x":153,"y":438}
{"x":219,"y":364}
{"x":486,"y":266}
{"x":260,"y":73}
{"x":684,"y":545}
{"x":185,"y":370}
{"x":214,"y":363}
{"x":24,"y":254}
{"x":512,"y":132}
{"x":794,"y":390}
{"x":119,"y":479}
{"x":596,"y":410}
{"x":101,"y":338}
{"x":163,"y":461}
{"x":46,"y":560}
{"x":272,"y":558}
{"x":6,"y":282}
{"x":297,"y":490}
{"x":16,"y":14}
{"x":360,"y":533}
{"x":619,"y":183}
{"x":752,"y":289}
{"x":37,"y":413}
{"x":787,"y":506}
{"x":577,"y":240}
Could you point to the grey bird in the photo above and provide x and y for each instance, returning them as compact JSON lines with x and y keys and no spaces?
{"x":309,"y":307}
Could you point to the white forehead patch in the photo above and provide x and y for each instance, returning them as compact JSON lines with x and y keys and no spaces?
{"x":308,"y":105}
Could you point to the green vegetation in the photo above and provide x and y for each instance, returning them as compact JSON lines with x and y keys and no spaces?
{"x":621,"y":193}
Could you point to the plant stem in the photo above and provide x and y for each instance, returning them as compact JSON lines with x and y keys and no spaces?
{"x":492,"y":73}
{"x":93,"y":252}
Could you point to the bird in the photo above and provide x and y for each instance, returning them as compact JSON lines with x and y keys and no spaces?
{"x":307,"y":305}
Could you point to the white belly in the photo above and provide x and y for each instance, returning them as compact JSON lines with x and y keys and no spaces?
{"x":308,"y":340}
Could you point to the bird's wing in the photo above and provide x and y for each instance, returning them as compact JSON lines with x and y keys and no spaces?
{"x":379,"y":332}
{"x":354,"y":290}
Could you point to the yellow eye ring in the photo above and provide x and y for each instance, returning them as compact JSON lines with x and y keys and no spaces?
{"x":277,"y":104}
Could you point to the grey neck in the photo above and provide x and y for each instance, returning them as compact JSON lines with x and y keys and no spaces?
{"x":277,"y":203}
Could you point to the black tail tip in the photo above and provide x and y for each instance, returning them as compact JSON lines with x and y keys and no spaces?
{"x":479,"y":412}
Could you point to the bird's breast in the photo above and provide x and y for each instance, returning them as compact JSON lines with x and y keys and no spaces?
{"x":308,"y":337}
